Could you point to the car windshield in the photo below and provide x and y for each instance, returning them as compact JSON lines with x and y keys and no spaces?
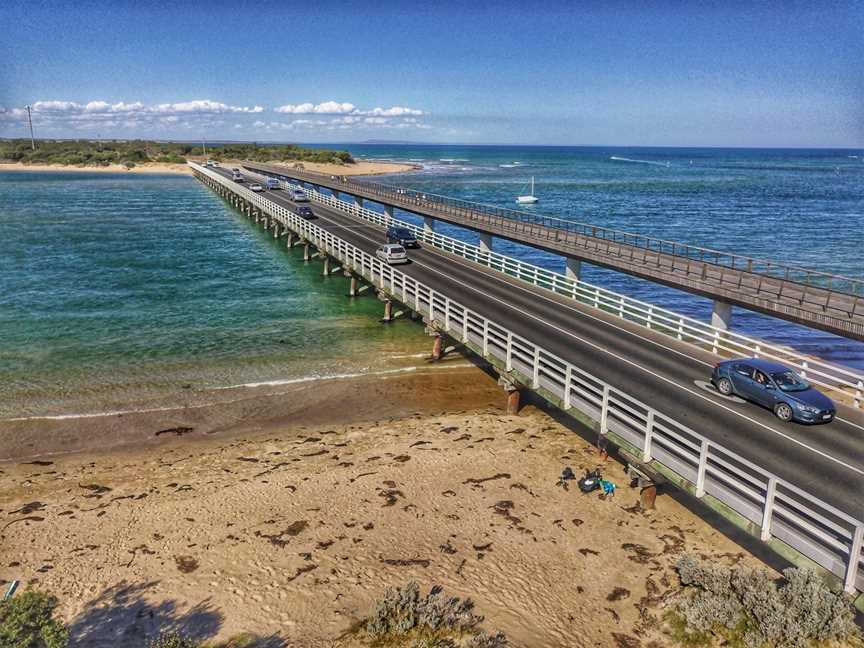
{"x":790,"y":381}
{"x":404,"y":233}
{"x":397,"y":249}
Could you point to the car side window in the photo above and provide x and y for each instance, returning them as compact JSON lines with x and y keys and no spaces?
{"x":760,"y":378}
{"x":744,"y":370}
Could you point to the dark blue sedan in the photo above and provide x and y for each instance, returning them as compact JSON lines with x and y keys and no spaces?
{"x":774,"y":386}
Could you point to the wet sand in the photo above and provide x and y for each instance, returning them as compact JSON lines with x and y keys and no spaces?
{"x":291,"y":520}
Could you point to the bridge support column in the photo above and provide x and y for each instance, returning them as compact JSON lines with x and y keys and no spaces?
{"x":358,"y":201}
{"x":289,"y":242}
{"x":573,"y":268}
{"x":388,"y":311}
{"x":721,"y":315}
{"x":326,"y":266}
{"x":352,"y":291}
{"x":428,"y":225}
{"x":388,"y":214}
{"x":486,"y":243}
{"x":514,"y":395}
{"x":307,"y":254}
{"x":437,"y":347}
{"x":275,"y":230}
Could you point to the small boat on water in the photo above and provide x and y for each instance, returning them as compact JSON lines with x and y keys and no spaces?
{"x":530,"y":199}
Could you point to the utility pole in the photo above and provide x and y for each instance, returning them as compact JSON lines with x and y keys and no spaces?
{"x":30,"y":121}
{"x":204,"y":146}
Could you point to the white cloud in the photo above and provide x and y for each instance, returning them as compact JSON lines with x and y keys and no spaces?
{"x":324,"y":108}
{"x":395,"y":111}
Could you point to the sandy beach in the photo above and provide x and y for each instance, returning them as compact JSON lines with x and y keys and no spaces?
{"x":356,"y":169}
{"x":293,"y":519}
{"x":153,"y":168}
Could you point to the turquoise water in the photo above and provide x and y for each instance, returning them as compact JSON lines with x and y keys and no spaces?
{"x":121,"y":291}
{"x":128,"y":291}
{"x":802,"y":207}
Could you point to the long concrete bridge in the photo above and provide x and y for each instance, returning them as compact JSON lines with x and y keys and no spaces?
{"x":816,"y":299}
{"x":799,"y":489}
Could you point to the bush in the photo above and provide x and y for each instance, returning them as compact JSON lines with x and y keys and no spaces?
{"x":27,"y":621}
{"x":748,"y":607}
{"x":173,"y":640}
{"x":433,"y":621}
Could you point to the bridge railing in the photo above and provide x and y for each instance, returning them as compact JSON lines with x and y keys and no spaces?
{"x":777,"y":508}
{"x":847,"y":383}
{"x":553,"y":228}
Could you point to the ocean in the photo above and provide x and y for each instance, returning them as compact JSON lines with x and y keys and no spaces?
{"x":122,"y":292}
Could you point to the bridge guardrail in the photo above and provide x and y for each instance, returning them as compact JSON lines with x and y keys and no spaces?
{"x":720,"y":342}
{"x":778,"y":509}
{"x":511,"y":218}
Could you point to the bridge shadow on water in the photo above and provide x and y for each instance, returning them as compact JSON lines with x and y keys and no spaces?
{"x":131,"y":615}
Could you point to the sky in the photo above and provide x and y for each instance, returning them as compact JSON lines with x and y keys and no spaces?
{"x":760,"y":74}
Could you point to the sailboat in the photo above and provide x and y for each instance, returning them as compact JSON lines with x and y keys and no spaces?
{"x":530,"y":198}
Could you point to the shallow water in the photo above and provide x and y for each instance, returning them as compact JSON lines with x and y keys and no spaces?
{"x":121,"y":292}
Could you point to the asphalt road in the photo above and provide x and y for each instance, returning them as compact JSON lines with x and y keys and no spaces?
{"x":826,"y":460}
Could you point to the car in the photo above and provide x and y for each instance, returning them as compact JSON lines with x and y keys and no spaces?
{"x":272,"y":183}
{"x":392,"y":254}
{"x":256,"y":187}
{"x":237,"y":177}
{"x":209,"y":163}
{"x":774,"y":386}
{"x":306,"y":212}
{"x":298,"y":195}
{"x":402,"y":236}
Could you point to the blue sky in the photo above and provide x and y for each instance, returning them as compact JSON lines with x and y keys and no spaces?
{"x":605,"y":73}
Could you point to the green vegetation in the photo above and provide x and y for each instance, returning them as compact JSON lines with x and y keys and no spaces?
{"x":402,"y":619}
{"x":747,"y":608}
{"x":132,"y":152}
{"x":27,"y":621}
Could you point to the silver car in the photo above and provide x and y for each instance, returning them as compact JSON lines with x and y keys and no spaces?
{"x":392,"y":254}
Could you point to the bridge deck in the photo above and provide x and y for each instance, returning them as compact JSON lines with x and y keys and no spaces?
{"x":824,"y":460}
{"x":751,"y":285}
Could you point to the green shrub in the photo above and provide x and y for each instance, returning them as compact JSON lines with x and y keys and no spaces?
{"x":27,"y":621}
{"x":173,"y":640}
{"x":747,"y":607}
{"x":433,"y":621}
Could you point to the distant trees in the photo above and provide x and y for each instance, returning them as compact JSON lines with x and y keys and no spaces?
{"x":103,"y":152}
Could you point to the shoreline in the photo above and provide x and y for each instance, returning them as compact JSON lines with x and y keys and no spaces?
{"x":362,"y":168}
{"x":447,"y":385}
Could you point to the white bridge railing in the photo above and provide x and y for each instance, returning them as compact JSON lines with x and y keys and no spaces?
{"x":773,"y":506}
{"x":846,"y":382}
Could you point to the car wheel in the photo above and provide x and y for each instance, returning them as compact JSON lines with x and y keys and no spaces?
{"x":724,"y":386}
{"x":783,"y":412}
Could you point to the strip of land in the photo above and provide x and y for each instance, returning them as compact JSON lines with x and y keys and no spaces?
{"x":294,"y":513}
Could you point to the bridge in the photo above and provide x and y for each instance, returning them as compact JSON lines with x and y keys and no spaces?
{"x":798,"y":489}
{"x":816,"y":299}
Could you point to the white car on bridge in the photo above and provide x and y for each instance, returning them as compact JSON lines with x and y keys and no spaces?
{"x":392,"y":254}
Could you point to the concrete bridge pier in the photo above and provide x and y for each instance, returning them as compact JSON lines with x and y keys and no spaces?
{"x":307,"y":253}
{"x":289,"y":242}
{"x":437,"y":347}
{"x":276,"y":229}
{"x":428,"y":225}
{"x":326,"y":266}
{"x":388,"y":311}
{"x":514,"y":395}
{"x":486,"y":243}
{"x":721,"y":315}
{"x":352,"y":291}
{"x":573,"y":268}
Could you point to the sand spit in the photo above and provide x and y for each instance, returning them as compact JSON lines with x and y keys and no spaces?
{"x":144,"y":168}
{"x":297,"y":531}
